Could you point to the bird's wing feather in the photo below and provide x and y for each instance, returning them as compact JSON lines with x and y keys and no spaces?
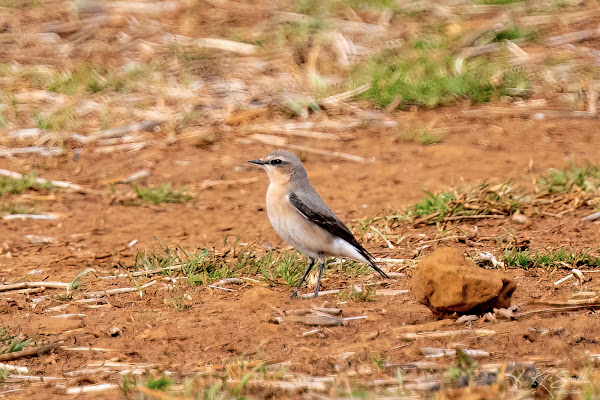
{"x":315,"y":210}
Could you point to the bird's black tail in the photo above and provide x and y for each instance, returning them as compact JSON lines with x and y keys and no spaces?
{"x":363,"y":252}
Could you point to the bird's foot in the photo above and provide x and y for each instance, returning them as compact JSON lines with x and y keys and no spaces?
{"x":294,"y":295}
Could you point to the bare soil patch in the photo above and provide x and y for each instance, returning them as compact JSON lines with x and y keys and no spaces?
{"x":202,"y":109}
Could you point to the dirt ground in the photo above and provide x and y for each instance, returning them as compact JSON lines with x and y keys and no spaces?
{"x":221,"y":327}
{"x":200,"y":336}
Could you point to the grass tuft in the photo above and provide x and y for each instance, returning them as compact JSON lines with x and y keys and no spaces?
{"x":433,"y":203}
{"x":161,"y":383}
{"x":484,"y":199}
{"x":161,"y":194}
{"x":86,"y":79}
{"x":59,"y":120}
{"x":17,"y":208}
{"x":17,"y":186}
{"x":424,"y":137}
{"x":429,"y":75}
{"x":559,"y":258}
{"x":586,"y":178}
{"x":207,"y":265}
{"x":10,"y":343}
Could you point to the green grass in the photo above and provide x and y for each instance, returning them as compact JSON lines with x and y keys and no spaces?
{"x":483,"y":199}
{"x":315,"y":8}
{"x":16,"y":208}
{"x":431,"y":204}
{"x":90,"y":80}
{"x":161,"y":194}
{"x":18,"y":186}
{"x":586,"y":178}
{"x":161,"y":383}
{"x":502,"y":199}
{"x":274,"y":266}
{"x":423,"y":137}
{"x":82,"y":79}
{"x":206,"y":266}
{"x":559,"y":258}
{"x":59,"y":120}
{"x":10,"y":343}
{"x":427,"y":138}
{"x":201,"y":268}
{"x":429,"y":75}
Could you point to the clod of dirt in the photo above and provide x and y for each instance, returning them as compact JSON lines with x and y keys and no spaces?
{"x":259,"y":298}
{"x":448,"y":283}
{"x":49,"y":325}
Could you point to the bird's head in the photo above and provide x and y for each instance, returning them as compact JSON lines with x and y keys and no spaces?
{"x":281,"y":166}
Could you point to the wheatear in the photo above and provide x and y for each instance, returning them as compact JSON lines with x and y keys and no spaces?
{"x":302,"y":219}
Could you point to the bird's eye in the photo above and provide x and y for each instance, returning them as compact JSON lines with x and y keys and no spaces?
{"x":276,"y":161}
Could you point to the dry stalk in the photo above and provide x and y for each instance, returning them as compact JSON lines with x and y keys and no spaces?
{"x":24,"y":285}
{"x":144,"y":273}
{"x":118,"y":290}
{"x":8,"y":367}
{"x":143,"y":126}
{"x":434,"y":352}
{"x":100,"y":387}
{"x":573,"y":37}
{"x":444,"y":334}
{"x":567,"y":307}
{"x":212,"y":43}
{"x":43,"y":151}
{"x":310,"y":333}
{"x":99,"y":349}
{"x":41,"y":217}
{"x":41,"y":181}
{"x":312,"y":320}
{"x":228,"y":183}
{"x":30,"y":352}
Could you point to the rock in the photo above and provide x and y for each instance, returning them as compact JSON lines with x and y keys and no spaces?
{"x":448,"y":283}
{"x":519,"y":218}
{"x":114,"y":331}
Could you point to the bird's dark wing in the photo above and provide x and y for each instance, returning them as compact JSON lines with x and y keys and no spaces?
{"x":326,"y":219}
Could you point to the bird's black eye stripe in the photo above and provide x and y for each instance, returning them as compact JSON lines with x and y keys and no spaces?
{"x":276,"y":161}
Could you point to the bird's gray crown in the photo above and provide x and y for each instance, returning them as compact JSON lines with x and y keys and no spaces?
{"x":285,"y":160}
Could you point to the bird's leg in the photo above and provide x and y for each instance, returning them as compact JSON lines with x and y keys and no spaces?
{"x":311,"y":262}
{"x":321,"y":267}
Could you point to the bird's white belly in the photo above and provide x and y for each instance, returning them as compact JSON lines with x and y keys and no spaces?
{"x":294,"y":228}
{"x":306,"y":236}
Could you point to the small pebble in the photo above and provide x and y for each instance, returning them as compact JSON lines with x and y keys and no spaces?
{"x":114,"y":331}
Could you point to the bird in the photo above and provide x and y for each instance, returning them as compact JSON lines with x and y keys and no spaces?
{"x":302,"y":219}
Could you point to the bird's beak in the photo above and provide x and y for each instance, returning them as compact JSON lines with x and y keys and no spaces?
{"x":257,"y":162}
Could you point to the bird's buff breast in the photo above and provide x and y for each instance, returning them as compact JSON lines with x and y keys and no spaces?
{"x":292,"y":226}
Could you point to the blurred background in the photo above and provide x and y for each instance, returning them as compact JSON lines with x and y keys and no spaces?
{"x":125,"y":127}
{"x":84,"y":66}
